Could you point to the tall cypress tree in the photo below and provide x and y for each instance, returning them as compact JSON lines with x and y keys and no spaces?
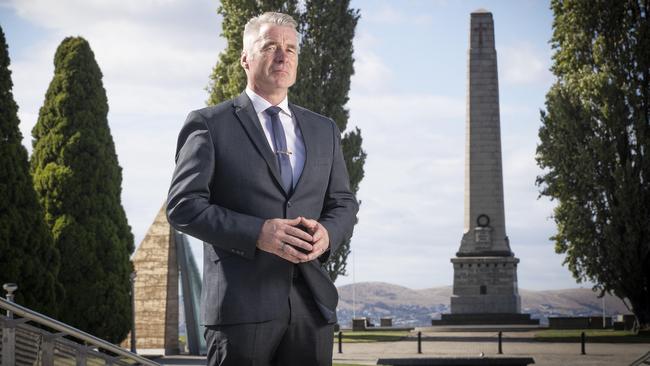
{"x":228,"y":78}
{"x":78,"y":179}
{"x":325,"y":66}
{"x":324,"y":69}
{"x":27,"y":254}
{"x":595,"y":145}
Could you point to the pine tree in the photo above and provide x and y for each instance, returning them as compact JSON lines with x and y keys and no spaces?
{"x":27,"y":254}
{"x":78,"y":180}
{"x":324,"y":70}
{"x":595,"y":144}
{"x":228,"y":78}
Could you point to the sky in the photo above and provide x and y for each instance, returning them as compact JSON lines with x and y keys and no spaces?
{"x":407,"y":96}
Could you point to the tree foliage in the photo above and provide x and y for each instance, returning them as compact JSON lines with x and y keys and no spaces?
{"x":324,"y":70}
{"x":78,"y":180}
{"x":594,"y":145}
{"x":27,"y":254}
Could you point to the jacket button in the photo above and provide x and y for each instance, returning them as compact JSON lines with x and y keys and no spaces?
{"x":289,"y":203}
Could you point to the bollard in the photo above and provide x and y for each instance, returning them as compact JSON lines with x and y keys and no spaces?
{"x":340,"y":342}
{"x":582,"y":341}
{"x":419,"y":342}
{"x":500,"y":339}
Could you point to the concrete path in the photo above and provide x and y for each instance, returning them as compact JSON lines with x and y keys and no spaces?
{"x":181,"y":360}
{"x":545,"y":354}
{"x":520,"y":344}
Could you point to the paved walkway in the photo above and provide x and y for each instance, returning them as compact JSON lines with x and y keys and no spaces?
{"x":518,"y":344}
{"x":181,"y":360}
{"x":545,"y":354}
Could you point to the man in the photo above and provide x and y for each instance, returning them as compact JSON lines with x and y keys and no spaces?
{"x":263,"y":183}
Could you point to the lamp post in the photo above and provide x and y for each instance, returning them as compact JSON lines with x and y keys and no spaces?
{"x":604,"y":313}
{"x":8,"y":354}
{"x":354,"y":284}
{"x":132,"y":277}
{"x":10,"y":288}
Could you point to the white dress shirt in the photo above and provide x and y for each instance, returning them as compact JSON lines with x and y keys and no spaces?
{"x":295,"y":142}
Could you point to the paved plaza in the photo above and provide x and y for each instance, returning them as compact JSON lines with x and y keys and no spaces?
{"x":519,"y":344}
{"x":516,"y":344}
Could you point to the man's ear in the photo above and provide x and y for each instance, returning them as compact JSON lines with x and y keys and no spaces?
{"x":243,"y":60}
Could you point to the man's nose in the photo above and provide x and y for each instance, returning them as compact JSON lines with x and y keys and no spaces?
{"x":280,"y":55}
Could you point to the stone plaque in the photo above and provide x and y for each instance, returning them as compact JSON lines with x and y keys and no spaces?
{"x":483,"y":238}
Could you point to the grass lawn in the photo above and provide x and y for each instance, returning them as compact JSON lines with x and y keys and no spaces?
{"x":375,"y":336}
{"x":593,"y":335}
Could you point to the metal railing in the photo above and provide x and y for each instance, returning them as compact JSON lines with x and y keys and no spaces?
{"x":644,"y":360}
{"x":25,"y":344}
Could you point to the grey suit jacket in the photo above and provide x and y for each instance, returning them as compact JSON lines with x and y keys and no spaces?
{"x":227,"y":183}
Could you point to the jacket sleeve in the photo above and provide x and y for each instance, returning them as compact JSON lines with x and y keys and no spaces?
{"x":188,"y":203}
{"x":340,"y":206}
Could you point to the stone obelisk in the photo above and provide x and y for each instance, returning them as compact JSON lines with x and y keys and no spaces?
{"x":485,"y":269}
{"x":485,"y":227}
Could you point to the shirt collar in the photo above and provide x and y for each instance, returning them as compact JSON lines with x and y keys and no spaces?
{"x":260,"y":104}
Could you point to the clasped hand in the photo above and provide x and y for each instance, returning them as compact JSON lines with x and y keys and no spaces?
{"x":286,"y":239}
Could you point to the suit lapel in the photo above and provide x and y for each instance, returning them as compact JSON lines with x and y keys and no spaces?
{"x":248,"y":118}
{"x":308,"y":138}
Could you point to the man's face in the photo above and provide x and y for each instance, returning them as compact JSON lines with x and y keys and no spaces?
{"x":272,"y":66}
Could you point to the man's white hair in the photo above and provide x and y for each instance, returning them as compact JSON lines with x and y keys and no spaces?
{"x":252,"y":29}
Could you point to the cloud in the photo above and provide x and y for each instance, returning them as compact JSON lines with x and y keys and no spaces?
{"x":414,"y":172}
{"x":67,"y":14}
{"x":387,"y":14}
{"x":157,"y":43}
{"x":371,"y":74}
{"x":524,"y":64}
{"x":412,"y":196}
{"x":155,"y":56}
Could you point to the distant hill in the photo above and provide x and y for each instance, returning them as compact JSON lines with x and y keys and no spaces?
{"x":410,"y":307}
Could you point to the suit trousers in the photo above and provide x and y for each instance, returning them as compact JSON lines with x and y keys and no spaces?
{"x":300,"y":337}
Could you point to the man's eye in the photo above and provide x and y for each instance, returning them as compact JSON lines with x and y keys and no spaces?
{"x":270,"y":48}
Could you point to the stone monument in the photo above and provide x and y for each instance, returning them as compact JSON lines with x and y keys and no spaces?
{"x":156,"y":290}
{"x":161,"y":262}
{"x":485,"y":269}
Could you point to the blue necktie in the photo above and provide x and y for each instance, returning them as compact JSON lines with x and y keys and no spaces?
{"x":281,"y":151}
